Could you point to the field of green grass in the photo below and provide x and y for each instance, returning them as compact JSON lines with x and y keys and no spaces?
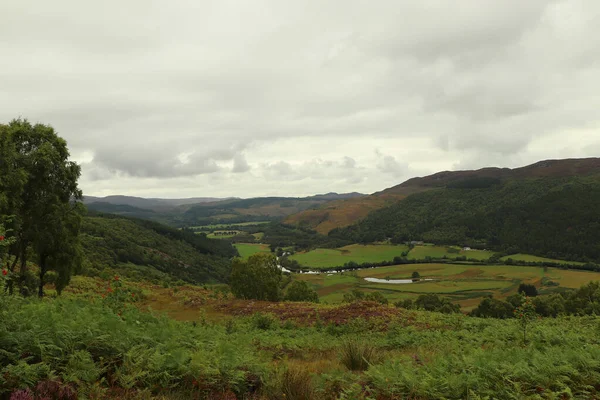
{"x":324,"y":258}
{"x":530,"y":258}
{"x":464,"y":284}
{"x":420,"y":252}
{"x":248,"y":249}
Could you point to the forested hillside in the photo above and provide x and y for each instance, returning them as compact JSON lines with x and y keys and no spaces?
{"x":146,"y":249}
{"x":340,"y":214}
{"x":554,"y":217}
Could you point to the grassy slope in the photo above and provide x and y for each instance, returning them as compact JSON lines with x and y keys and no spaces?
{"x":417,"y":354}
{"x":340,"y":213}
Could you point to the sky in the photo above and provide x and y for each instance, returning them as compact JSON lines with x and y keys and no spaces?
{"x":193,"y":98}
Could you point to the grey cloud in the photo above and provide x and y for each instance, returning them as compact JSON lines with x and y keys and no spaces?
{"x":195,"y":93}
{"x":240,"y":164}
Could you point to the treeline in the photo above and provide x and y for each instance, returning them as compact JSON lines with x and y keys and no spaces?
{"x":281,"y":235}
{"x":583,"y":301}
{"x":550,"y":217}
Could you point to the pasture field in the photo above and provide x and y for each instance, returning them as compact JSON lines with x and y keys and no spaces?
{"x":324,"y":258}
{"x":258,"y":235}
{"x":248,"y":249}
{"x":327,"y":258}
{"x":420,"y":252}
{"x":530,"y":258}
{"x":464,"y":284}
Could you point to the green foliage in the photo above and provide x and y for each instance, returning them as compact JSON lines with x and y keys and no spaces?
{"x":527,"y":290}
{"x":146,"y":250}
{"x":296,"y":384}
{"x":257,"y":278}
{"x":433,"y":302}
{"x":263,"y":321}
{"x":357,"y":355}
{"x":526,"y":315}
{"x":301,"y":291}
{"x":41,"y":192}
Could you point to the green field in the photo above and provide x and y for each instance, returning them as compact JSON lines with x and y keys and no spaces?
{"x":421,"y":252}
{"x":258,"y":235}
{"x":248,"y":249}
{"x":464,"y":284}
{"x":324,"y":258}
{"x":530,"y":258}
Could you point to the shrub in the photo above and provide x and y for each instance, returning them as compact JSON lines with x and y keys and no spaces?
{"x":297,"y":384}
{"x":263,"y":321}
{"x":301,"y":291}
{"x":357,"y":356}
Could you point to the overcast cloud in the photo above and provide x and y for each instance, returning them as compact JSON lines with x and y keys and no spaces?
{"x":255,"y":98}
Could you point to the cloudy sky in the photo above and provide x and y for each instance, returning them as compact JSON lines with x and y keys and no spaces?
{"x":279,"y":97}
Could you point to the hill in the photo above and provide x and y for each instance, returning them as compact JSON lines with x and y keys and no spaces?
{"x":154,"y":204}
{"x":149,"y":250}
{"x":552,"y":213}
{"x":340,"y":214}
{"x":206,"y":210}
{"x":254,"y":209}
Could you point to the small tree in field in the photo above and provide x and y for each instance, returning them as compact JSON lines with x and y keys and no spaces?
{"x":416,"y":276}
{"x":525,"y":314}
{"x":301,"y":291}
{"x":257,"y":278}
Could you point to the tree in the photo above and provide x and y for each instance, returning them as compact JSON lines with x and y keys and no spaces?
{"x":43,"y":197}
{"x":527,"y":290}
{"x":257,"y":278}
{"x":525,"y":314}
{"x":415,"y":276}
{"x":301,"y":291}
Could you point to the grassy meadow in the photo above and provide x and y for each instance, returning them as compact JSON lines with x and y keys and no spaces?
{"x":463,"y":284}
{"x":327,"y":258}
{"x":324,"y":258}
{"x":248,"y":249}
{"x":530,"y":258}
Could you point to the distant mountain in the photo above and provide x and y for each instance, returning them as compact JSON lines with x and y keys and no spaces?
{"x":206,"y":210}
{"x":339,"y":214}
{"x":150,"y":203}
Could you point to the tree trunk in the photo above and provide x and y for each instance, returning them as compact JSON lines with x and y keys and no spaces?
{"x":11,"y":283}
{"x":42,"y":274}
{"x":23,"y":269}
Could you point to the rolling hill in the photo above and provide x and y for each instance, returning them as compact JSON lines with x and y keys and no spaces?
{"x":149,"y":250}
{"x":340,"y":214}
{"x":550,"y":209}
